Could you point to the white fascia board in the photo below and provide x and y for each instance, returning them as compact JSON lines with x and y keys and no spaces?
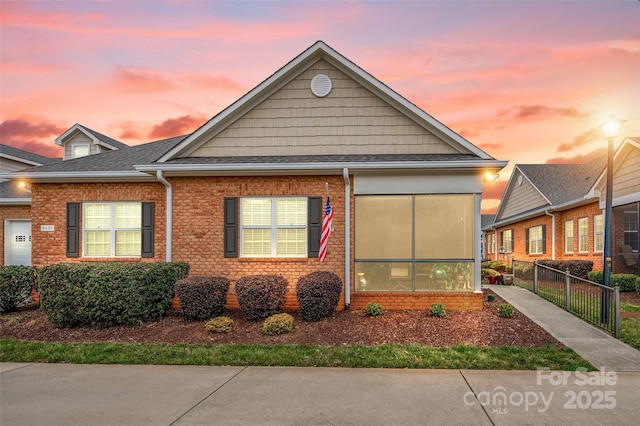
{"x":15,"y":201}
{"x":541,"y":210}
{"x":60,"y":139}
{"x":125,"y":176}
{"x":603,"y":174}
{"x":19,"y":159}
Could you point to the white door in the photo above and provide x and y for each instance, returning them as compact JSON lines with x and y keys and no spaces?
{"x":20,"y":242}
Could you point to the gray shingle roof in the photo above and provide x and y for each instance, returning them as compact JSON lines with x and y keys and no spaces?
{"x":289,"y":159}
{"x":11,"y":189}
{"x":486,"y":220}
{"x":561,"y":183}
{"x":106,"y":139}
{"x":26,"y":155}
{"x":117,"y":160}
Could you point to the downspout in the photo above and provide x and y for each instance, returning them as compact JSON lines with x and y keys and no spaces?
{"x":553,"y":234}
{"x":347,"y":238}
{"x":169,"y":221}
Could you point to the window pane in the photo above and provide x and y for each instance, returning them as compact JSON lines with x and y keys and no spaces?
{"x":568,"y":235}
{"x":291,"y":212}
{"x":128,"y":216}
{"x":78,"y":151}
{"x":598,"y":241}
{"x":256,"y":212}
{"x":451,"y":276}
{"x":128,"y":243}
{"x":256,"y":242}
{"x":444,"y":226}
{"x":97,"y":216}
{"x":383,"y":227}
{"x":97,"y":243}
{"x":291,"y":242}
{"x":384,"y":276}
{"x":583,"y":237}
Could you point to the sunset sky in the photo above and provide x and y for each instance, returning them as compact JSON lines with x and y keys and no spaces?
{"x":528,"y":82}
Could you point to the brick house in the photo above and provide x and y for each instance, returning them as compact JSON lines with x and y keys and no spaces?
{"x":244,"y":193}
{"x":556,"y":211}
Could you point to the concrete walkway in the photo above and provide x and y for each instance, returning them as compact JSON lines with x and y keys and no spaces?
{"x":66,"y":394}
{"x":594,"y":345}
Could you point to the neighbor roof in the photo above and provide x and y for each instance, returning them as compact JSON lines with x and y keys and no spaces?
{"x":12,"y":194}
{"x":26,"y":157}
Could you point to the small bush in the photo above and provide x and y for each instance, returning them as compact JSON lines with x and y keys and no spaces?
{"x":437,"y":310}
{"x":373,"y":309}
{"x":496,"y":265}
{"x":505,"y":310}
{"x":202,"y":297}
{"x":219,"y":325}
{"x":578,"y":268}
{"x":16,"y":284}
{"x":627,"y":282}
{"x":491,"y":297}
{"x":318,"y":294}
{"x":261,"y":296}
{"x":524,"y":272}
{"x":277,"y":324}
{"x":596,"y":277}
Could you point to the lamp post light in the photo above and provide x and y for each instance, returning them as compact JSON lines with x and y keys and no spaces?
{"x":610,"y":130}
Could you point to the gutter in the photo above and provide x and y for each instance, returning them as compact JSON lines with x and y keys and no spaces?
{"x":553,"y":233}
{"x":347,"y":238}
{"x":169,"y":221}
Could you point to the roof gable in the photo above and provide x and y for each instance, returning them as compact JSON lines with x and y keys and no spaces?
{"x":520,"y":196}
{"x":626,"y":174}
{"x":291,"y":75}
{"x":96,"y":138}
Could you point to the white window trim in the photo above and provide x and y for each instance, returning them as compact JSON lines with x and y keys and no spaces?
{"x":274,"y":229}
{"x":596,"y":233}
{"x":532,"y":241}
{"x":76,"y":145}
{"x":582,"y":237}
{"x":566,"y":237}
{"x":112,"y":230}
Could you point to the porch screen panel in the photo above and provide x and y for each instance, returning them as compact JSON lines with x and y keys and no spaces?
{"x":444,"y":226}
{"x":383,"y":227}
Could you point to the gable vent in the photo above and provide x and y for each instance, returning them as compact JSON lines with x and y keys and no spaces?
{"x":321,"y":85}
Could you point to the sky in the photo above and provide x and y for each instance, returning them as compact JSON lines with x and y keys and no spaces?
{"x":528,"y":82}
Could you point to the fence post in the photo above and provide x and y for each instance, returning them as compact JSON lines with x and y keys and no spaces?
{"x":535,"y":277}
{"x":567,"y":290}
{"x":616,"y":301}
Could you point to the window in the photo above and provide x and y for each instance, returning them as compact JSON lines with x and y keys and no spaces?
{"x":414,"y":242}
{"x":631,"y":231}
{"x":598,"y":234}
{"x":273,"y":227}
{"x":491,"y":243}
{"x":112,"y":229}
{"x":568,"y":236}
{"x":507,"y":240}
{"x":583,"y":235}
{"x":536,"y":240}
{"x":78,"y":151}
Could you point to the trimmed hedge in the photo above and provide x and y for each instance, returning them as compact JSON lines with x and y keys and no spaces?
{"x":596,"y":277}
{"x":261,"y":296}
{"x":16,"y":284}
{"x":318,"y":294}
{"x":627,"y":282}
{"x":578,"y":268}
{"x":107,"y":294}
{"x":202,"y":297}
{"x":496,"y":265}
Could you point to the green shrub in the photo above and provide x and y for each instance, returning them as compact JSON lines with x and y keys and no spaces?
{"x":318,"y":294}
{"x":578,"y":268}
{"x":16,"y":284}
{"x":107,"y":294}
{"x":627,"y":282}
{"x":373,"y":309}
{"x":261,"y":296}
{"x":219,"y":325}
{"x":596,"y":277}
{"x":437,"y":310}
{"x":202,"y":297}
{"x":505,"y":310}
{"x":491,"y":297}
{"x":524,"y":272}
{"x":277,"y":324}
{"x":496,"y":265}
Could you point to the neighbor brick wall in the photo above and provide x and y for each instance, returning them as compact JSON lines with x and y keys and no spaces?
{"x":11,"y":212}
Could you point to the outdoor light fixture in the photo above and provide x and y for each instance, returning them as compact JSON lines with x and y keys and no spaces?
{"x":24,"y":186}
{"x":610,"y":131}
{"x":491,"y":176}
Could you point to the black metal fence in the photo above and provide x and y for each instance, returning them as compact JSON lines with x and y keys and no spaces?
{"x":595,"y":303}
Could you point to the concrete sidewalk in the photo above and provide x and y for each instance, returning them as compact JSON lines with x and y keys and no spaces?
{"x":64,"y":394}
{"x":599,"y":348}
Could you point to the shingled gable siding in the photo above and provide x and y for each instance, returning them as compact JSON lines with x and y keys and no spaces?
{"x":522,"y":198}
{"x":11,"y":212}
{"x":49,"y":207}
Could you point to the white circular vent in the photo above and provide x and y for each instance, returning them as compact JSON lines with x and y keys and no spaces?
{"x":519,"y":180}
{"x":321,"y":85}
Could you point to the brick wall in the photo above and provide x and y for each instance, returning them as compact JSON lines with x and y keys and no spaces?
{"x":11,"y":212}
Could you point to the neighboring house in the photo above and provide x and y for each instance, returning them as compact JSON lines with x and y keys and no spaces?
{"x":556,"y":211}
{"x":485,"y":222}
{"x":244,"y":194}
{"x":15,"y":195}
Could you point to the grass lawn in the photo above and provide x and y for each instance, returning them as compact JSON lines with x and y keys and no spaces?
{"x":630,"y":327}
{"x":384,"y":356}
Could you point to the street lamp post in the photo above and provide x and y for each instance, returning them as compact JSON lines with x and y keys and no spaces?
{"x":610,"y":131}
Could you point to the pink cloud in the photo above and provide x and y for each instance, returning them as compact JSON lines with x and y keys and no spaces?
{"x":141,"y":80}
{"x":580,"y":158}
{"x":34,"y":136}
{"x":590,"y":135}
{"x":176,"y":126}
{"x":539,"y":112}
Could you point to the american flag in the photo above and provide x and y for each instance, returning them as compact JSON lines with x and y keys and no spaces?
{"x":326,"y":230}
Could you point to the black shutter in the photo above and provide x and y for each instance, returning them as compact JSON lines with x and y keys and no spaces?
{"x":314,"y":225}
{"x":526,"y":234}
{"x":544,"y":239}
{"x":231,"y":227}
{"x":73,"y":226}
{"x":148,"y":219}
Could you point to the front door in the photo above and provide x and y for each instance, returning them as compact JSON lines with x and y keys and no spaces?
{"x":19,"y":242}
